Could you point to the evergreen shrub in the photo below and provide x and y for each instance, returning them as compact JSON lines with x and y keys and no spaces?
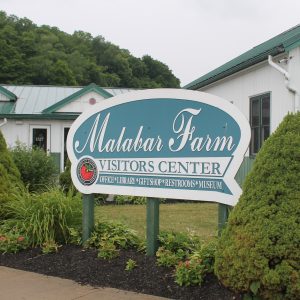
{"x":259,"y":250}
{"x":10,"y":180}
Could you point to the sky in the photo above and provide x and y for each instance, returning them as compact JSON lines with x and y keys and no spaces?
{"x":191,"y":36}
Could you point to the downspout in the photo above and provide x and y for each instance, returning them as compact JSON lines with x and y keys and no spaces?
{"x":4,"y":122}
{"x":287,"y":83}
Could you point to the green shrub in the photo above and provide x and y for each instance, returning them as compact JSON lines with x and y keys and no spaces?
{"x":259,"y":250}
{"x":199,"y":263}
{"x":175,"y":247}
{"x":108,"y":250}
{"x":167,"y":258}
{"x":206,"y":254}
{"x":10,"y":180}
{"x":174,"y":241}
{"x":8,"y":191}
{"x":46,"y":217}
{"x":100,"y":198}
{"x":190,"y":272}
{"x":65,"y":180}
{"x":110,"y":237}
{"x":130,"y":265}
{"x":12,"y":241}
{"x":38,"y":170}
{"x":75,"y":236}
{"x":123,"y":199}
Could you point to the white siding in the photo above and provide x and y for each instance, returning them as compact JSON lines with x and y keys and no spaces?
{"x":80,"y":104}
{"x":15,"y":130}
{"x":294,"y":71}
{"x":20,"y":130}
{"x":254,"y":81}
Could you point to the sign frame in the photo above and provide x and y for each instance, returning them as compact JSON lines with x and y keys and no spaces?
{"x":171,"y":95}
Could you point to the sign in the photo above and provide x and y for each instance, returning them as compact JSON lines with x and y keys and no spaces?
{"x":163,"y":143}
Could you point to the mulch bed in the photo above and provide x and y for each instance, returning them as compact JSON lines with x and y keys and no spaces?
{"x":83,"y":266}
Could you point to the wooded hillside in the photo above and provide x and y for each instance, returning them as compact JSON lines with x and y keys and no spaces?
{"x":44,"y":55}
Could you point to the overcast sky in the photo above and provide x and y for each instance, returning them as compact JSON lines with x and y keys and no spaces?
{"x":191,"y":36}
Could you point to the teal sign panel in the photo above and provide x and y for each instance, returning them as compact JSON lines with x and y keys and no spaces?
{"x":160,"y":143}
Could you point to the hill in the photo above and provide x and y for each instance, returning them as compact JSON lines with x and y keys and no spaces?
{"x":44,"y":55}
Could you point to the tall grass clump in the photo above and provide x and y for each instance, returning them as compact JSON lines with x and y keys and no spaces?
{"x":46,"y":217}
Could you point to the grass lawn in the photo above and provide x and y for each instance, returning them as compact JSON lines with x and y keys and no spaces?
{"x":200,"y":218}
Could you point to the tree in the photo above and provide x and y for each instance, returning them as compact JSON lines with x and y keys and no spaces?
{"x":32,"y":54}
{"x":61,"y":74}
{"x":160,"y":73}
{"x":12,"y":65}
{"x":259,"y":249}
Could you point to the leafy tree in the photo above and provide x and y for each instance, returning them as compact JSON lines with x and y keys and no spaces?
{"x":11,"y":61}
{"x":61,"y":74}
{"x":160,"y":73}
{"x":31,"y":54}
{"x":259,"y":250}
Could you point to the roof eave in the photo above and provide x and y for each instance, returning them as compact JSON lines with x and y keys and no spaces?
{"x":197,"y":84}
{"x":11,"y":96}
{"x":40,"y":116}
{"x":91,"y":87}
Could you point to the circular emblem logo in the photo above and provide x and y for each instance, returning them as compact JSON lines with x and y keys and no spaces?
{"x":87,"y":171}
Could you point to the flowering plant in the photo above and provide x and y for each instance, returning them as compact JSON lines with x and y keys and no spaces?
{"x":169,"y":258}
{"x":190,"y":272}
{"x":13,"y":242}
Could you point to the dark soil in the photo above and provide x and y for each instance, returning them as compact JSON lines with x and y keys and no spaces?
{"x":83,"y":266}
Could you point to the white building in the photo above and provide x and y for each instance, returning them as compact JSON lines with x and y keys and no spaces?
{"x":264,"y":83}
{"x":42,"y":115}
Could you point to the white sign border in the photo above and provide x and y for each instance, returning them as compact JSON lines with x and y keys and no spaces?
{"x":179,"y":94}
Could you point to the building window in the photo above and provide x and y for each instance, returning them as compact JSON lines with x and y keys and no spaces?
{"x":39,"y":138}
{"x":66,"y":131}
{"x":259,"y":121}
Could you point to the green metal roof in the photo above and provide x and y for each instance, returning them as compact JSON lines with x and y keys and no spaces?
{"x":6,"y":107}
{"x":34,"y":102}
{"x":90,"y":88}
{"x":11,"y":96}
{"x":276,"y":45}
